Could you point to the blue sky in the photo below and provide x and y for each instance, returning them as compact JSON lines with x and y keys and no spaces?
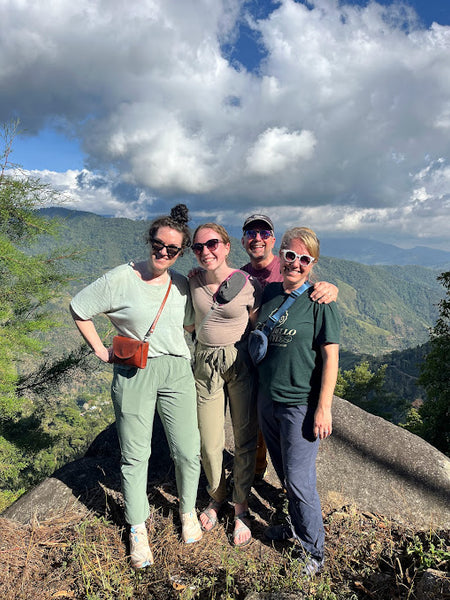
{"x":331,"y":114}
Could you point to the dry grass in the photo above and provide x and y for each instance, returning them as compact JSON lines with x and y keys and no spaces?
{"x":84,"y":556}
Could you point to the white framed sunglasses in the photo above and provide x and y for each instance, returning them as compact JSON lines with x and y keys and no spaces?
{"x":304,"y":259}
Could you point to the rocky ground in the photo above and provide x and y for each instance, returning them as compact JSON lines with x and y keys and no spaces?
{"x":83,"y":555}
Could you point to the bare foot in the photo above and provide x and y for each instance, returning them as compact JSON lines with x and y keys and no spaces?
{"x":208,"y":517}
{"x":242,"y":534}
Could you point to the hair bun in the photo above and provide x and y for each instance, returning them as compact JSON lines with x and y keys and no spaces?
{"x":180,"y":214}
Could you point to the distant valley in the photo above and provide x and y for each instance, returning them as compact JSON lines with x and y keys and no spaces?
{"x":372,"y":252}
{"x":362,"y":250}
{"x":383,"y":308}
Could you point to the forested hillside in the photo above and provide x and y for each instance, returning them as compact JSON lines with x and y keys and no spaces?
{"x":383,"y":308}
{"x":371,"y":252}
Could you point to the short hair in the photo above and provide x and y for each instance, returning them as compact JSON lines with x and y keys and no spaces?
{"x":219,"y":229}
{"x":305,"y":235}
{"x":178,"y":219}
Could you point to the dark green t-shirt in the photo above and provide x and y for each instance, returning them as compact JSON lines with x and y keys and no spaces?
{"x":291,"y":372}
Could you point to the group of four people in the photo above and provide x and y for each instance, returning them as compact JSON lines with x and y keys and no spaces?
{"x":296,"y":377}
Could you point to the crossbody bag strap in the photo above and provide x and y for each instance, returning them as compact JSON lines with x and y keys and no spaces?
{"x":216,"y":303}
{"x":153,"y":325}
{"x":273,"y":319}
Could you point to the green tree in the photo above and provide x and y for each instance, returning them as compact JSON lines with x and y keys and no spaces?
{"x":28,"y":282}
{"x":434,"y":422}
{"x":365,"y":388}
{"x":359,"y":385}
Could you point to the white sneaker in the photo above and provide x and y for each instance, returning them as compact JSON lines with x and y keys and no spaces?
{"x":140,"y":554}
{"x":190,"y":527}
{"x":312,"y":567}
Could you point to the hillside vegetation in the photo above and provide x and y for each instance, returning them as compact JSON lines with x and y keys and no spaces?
{"x":371,"y":252}
{"x":383,"y":308}
{"x":402,"y":371}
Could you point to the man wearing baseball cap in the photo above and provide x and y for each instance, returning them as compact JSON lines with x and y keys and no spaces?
{"x":258,"y":240}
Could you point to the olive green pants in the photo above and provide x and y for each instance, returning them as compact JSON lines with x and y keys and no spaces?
{"x":166,"y":384}
{"x":223,"y":373}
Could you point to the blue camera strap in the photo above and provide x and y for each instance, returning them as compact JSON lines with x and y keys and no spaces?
{"x":273,"y":319}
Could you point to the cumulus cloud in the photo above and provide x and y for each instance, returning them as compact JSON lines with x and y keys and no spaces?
{"x":347,"y":115}
{"x":276,"y":149}
{"x":106,"y":195}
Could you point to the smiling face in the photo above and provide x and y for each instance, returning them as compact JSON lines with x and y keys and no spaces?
{"x":294,"y":273}
{"x":211,"y":260}
{"x":259,"y":250}
{"x":159,"y":259}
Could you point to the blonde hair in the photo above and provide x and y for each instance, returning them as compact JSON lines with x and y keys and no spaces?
{"x":219,"y":229}
{"x":305,"y":235}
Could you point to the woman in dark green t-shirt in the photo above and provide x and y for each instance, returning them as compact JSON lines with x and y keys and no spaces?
{"x":296,"y":384}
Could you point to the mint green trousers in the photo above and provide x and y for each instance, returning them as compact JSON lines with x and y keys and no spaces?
{"x":166,"y":385}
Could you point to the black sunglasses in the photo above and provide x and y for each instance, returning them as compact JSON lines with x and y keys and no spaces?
{"x":212,"y":245}
{"x":171,"y":250}
{"x":264,"y":234}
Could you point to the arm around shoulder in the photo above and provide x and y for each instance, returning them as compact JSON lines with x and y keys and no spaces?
{"x":324,"y":292}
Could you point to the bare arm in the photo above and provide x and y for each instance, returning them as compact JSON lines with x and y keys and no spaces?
{"x":322,"y":418}
{"x":189,"y":328}
{"x":89,"y":333}
{"x":324,"y":292}
{"x":253,"y":311}
{"x":253,"y":317}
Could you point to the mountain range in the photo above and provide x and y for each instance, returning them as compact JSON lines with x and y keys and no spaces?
{"x":371,"y":252}
{"x":362,"y":250}
{"x":383,"y":307}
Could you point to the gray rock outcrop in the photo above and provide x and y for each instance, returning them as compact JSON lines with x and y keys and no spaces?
{"x":367,"y":461}
{"x":385,"y":469}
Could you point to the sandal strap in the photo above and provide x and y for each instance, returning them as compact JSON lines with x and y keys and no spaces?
{"x":242,"y":516}
{"x":242,"y":527}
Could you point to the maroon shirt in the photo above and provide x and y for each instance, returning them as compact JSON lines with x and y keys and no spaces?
{"x":269,"y":274}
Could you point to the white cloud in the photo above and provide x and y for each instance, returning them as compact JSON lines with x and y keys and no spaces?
{"x":423,"y":220}
{"x":347,"y":111}
{"x":103,"y":194}
{"x":276,"y":149}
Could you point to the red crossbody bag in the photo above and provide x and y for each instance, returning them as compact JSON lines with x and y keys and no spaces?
{"x":131,"y":352}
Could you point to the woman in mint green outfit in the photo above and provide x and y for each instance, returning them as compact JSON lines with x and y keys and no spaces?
{"x":130,"y":295}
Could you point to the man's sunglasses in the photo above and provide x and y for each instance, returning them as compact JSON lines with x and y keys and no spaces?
{"x":290,"y":256}
{"x":171,"y":250}
{"x":212,"y":245}
{"x":265,"y":234}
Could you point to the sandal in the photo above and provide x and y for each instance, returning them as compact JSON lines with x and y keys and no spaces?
{"x":211,"y":513}
{"x":241,"y":525}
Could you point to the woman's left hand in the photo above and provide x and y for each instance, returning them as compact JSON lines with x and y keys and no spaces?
{"x":322,"y":423}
